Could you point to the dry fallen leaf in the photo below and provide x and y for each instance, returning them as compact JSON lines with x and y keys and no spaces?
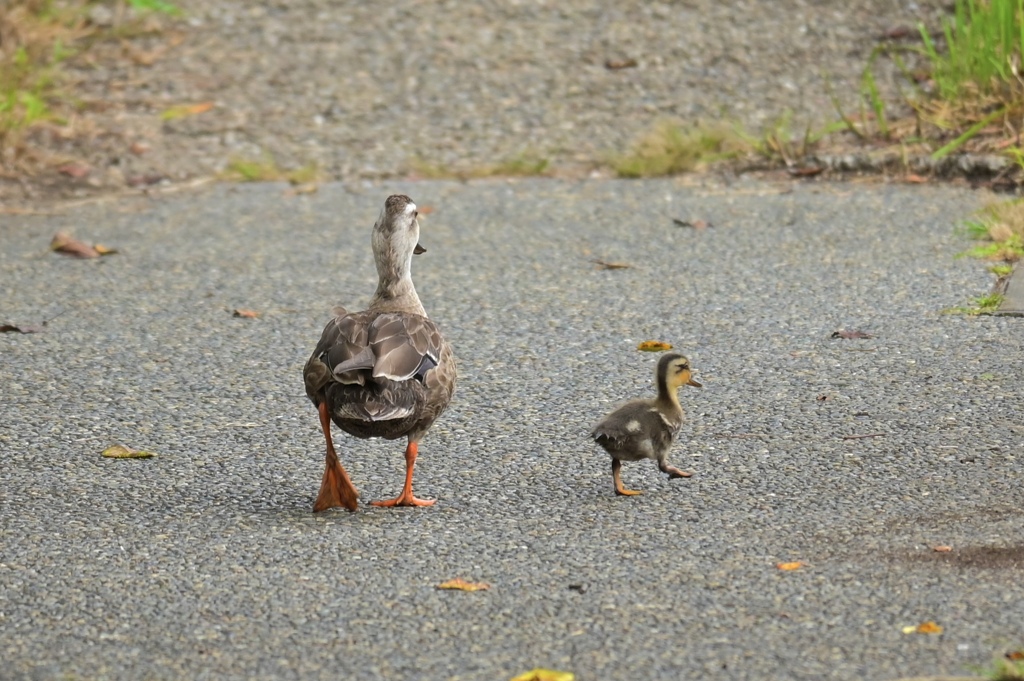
{"x":74,"y":169}
{"x":619,"y":64}
{"x":654,"y":346}
{"x":545,"y":675}
{"x":913,"y":178}
{"x":794,"y":565}
{"x":851,"y":333}
{"x":139,"y":148}
{"x":942,"y":548}
{"x":183,"y":110}
{"x":695,"y":224}
{"x":20,"y":328}
{"x":122,"y":452}
{"x":305,"y":188}
{"x":247,"y":314}
{"x":62,"y":242}
{"x":104,"y":250}
{"x":805,"y":171}
{"x":1015,"y":655}
{"x":459,"y":584}
{"x":611,"y":265}
{"x":923,"y":628}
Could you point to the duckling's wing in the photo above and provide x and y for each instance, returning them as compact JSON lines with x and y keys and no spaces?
{"x":637,"y":428}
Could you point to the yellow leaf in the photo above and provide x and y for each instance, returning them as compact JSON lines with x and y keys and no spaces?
{"x":545,"y":675}
{"x":909,"y":629}
{"x":929,"y":628}
{"x":122,"y":452}
{"x":654,"y":346}
{"x":794,"y":565}
{"x":183,"y":110}
{"x":104,"y":250}
{"x":460,"y":584}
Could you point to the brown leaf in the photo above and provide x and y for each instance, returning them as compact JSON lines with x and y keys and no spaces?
{"x":611,"y":265}
{"x":914,"y":178}
{"x":654,"y":346}
{"x":139,"y":148}
{"x":145,"y":180}
{"x":122,"y":452}
{"x":696,"y":224}
{"x":63,"y":242}
{"x":247,"y":314}
{"x":305,"y":188}
{"x":852,"y":333}
{"x":897,"y":32}
{"x":74,"y":169}
{"x":1015,"y":655}
{"x":793,"y":565}
{"x":459,"y":584}
{"x":805,"y":171}
{"x":8,"y":328}
{"x":942,"y":548}
{"x":619,"y":64}
{"x":929,"y":627}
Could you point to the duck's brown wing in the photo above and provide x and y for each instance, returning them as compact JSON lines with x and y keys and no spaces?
{"x":392,"y":357}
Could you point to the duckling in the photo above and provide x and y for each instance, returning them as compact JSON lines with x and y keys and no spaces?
{"x":644,"y":429}
{"x":386,"y":371}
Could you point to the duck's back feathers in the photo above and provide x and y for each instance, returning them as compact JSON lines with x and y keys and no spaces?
{"x":375,"y":367}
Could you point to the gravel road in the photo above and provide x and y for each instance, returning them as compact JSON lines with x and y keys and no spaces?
{"x":409,"y":87}
{"x":854,"y":456}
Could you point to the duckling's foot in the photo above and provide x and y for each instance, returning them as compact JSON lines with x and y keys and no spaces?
{"x":617,"y":479}
{"x":672,"y":471}
{"x":406,"y":498}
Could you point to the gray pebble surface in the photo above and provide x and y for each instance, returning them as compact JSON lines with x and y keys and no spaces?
{"x":206,"y":562}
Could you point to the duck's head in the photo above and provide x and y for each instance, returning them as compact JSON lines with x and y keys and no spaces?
{"x":674,"y":371}
{"x":396,"y":234}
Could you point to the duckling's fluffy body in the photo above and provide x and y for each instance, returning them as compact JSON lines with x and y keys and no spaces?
{"x":646,"y":428}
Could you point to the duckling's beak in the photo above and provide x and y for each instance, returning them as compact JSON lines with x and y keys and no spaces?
{"x":694,"y":383}
{"x":419,"y":249}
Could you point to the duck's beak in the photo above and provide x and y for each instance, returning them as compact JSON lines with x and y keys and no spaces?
{"x":419,"y":249}
{"x":694,"y":383}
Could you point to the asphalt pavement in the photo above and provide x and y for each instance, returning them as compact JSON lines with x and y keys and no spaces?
{"x":855,"y":456}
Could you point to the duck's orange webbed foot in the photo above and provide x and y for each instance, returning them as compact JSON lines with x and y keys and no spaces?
{"x":336,"y":489}
{"x":406,"y":498}
{"x":673,"y":472}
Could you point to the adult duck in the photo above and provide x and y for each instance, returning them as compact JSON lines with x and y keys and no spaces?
{"x":386,"y":371}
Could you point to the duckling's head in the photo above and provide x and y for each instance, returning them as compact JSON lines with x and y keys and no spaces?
{"x":674,"y":371}
{"x":396,"y":234}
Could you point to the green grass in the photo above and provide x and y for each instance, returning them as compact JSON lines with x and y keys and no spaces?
{"x":524,"y":164}
{"x":266,"y":169}
{"x":670,"y":149}
{"x":1004,"y":669}
{"x":982,"y":305}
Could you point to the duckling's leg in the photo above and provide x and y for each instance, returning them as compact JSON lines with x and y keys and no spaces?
{"x":336,"y":489}
{"x":616,"y":477}
{"x":406,"y":498}
{"x":672,"y":471}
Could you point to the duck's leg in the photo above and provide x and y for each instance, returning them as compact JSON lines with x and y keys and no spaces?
{"x":617,"y":478}
{"x":336,"y":489}
{"x":406,"y":498}
{"x":672,"y":471}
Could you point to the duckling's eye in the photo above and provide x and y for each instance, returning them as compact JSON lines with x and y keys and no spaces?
{"x":681,"y":368}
